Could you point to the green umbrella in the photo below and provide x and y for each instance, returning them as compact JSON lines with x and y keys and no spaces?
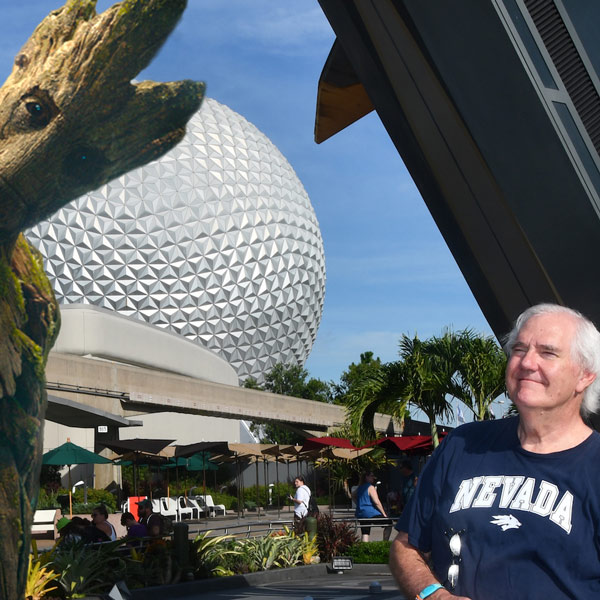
{"x":72,"y":454}
{"x":201,"y":462}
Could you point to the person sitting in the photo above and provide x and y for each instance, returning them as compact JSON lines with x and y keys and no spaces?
{"x":134,"y":529}
{"x":101,"y":523}
{"x":367,"y":504}
{"x":151,"y":520}
{"x":70,"y":531}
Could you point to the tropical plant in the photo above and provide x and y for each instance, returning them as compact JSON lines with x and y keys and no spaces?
{"x":261,"y":554}
{"x":380,"y":389}
{"x":310,"y":549}
{"x":290,"y":548}
{"x":429,"y":367}
{"x":39,"y":578}
{"x":210,"y":552}
{"x":87,"y":570}
{"x":480,"y":372}
{"x":333,"y":537}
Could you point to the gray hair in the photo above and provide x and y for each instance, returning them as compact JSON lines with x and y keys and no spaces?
{"x":585,"y":348}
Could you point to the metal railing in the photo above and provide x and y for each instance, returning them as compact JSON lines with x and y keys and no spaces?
{"x":261,"y":528}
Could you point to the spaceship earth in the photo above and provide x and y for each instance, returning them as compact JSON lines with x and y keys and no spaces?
{"x":216,"y":241}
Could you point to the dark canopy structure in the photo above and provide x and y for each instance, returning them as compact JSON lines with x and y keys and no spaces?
{"x":494,"y":107}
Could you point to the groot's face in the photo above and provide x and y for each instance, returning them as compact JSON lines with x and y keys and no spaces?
{"x":70,"y":119}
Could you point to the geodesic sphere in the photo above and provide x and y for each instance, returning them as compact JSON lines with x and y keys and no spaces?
{"x":217,"y":241}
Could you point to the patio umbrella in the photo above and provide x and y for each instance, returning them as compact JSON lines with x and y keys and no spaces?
{"x":411,"y":444}
{"x":197,"y":462}
{"x":316,"y":443}
{"x":276,"y":451}
{"x":72,"y":454}
{"x":251,"y":453}
{"x":137,"y":450}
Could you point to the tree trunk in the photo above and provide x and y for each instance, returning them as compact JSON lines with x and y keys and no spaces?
{"x":70,"y":121}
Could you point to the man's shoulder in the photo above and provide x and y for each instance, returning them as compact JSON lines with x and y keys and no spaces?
{"x":481,"y":436}
{"x":483,"y":429}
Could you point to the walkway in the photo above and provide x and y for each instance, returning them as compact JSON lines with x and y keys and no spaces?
{"x":372,"y":582}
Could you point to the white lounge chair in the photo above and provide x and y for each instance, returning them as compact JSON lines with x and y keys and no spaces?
{"x":213,"y":509}
{"x":183,"y":509}
{"x":168,"y":508}
{"x":200,"y":510}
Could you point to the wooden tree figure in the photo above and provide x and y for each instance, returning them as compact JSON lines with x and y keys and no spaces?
{"x":70,"y":120}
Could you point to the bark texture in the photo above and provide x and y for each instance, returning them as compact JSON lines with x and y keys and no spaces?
{"x":70,"y":120}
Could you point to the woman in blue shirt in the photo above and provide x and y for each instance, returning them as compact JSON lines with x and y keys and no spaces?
{"x":367,"y":502}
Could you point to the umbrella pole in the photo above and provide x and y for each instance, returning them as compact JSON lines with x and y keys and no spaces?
{"x":257,"y":498}
{"x":70,"y":495}
{"x":288,"y":466}
{"x":135,"y":475}
{"x":266,"y":480}
{"x":277,"y":476}
{"x":329,"y":486}
{"x":237,"y":477}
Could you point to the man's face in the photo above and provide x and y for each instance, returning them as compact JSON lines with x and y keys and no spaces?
{"x":297,"y":483}
{"x":541,"y":372}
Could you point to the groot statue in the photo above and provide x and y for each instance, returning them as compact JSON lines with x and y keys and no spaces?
{"x":70,"y":120}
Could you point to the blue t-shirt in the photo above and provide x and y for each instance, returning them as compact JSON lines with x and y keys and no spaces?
{"x":528,"y":523}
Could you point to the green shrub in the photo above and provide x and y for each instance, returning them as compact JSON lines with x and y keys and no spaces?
{"x":47,"y":500}
{"x":370,"y":552}
{"x":95,"y":497}
{"x":229,"y":501}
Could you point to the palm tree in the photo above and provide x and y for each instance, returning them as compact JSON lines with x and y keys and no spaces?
{"x":480,"y":372}
{"x":430,"y":366}
{"x":379,"y":390}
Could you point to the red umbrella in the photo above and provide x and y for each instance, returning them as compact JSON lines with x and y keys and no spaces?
{"x":318,"y":443}
{"x":406,"y":443}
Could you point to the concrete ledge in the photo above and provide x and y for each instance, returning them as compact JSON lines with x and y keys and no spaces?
{"x":205,"y":586}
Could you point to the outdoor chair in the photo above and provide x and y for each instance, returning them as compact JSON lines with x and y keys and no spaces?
{"x":199,"y":510}
{"x":214,"y":509}
{"x":168,"y":508}
{"x":183,"y":508}
{"x":44,"y":523}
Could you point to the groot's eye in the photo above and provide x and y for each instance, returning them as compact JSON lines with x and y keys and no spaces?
{"x":38,"y":111}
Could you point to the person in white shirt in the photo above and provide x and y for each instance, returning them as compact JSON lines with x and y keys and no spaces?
{"x":301,"y":498}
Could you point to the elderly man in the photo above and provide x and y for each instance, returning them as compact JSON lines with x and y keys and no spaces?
{"x":511,"y":508}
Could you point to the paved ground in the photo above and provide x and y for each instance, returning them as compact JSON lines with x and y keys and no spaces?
{"x":372,"y":582}
{"x":330,"y":587}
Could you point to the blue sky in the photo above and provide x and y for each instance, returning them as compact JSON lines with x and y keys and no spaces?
{"x":388,"y":269}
